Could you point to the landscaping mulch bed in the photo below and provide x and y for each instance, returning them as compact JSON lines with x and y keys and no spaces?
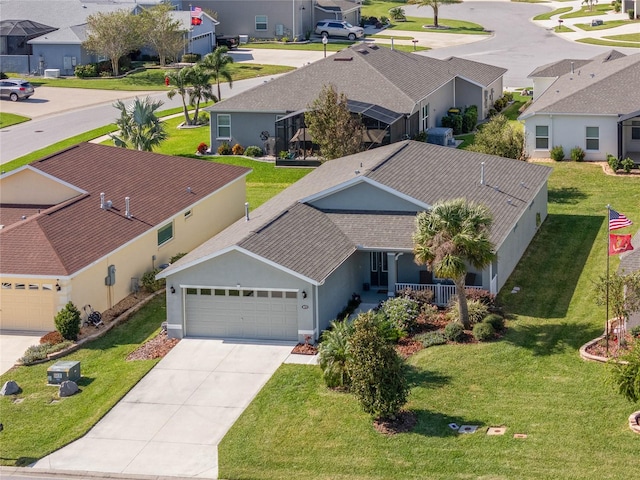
{"x":599,"y":348}
{"x":305,"y":349}
{"x":111,"y":314}
{"x":157,"y":347}
{"x":404,"y":422}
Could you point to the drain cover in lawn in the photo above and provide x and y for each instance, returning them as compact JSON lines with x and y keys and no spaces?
{"x":496,"y":430}
{"x":468,"y":429}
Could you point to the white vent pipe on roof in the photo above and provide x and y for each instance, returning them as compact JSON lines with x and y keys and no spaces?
{"x":482,"y":173}
{"x":127,"y":211}
{"x":102,"y":201}
{"x":246,"y":211}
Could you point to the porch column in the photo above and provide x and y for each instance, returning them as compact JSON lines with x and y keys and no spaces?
{"x":392,"y":263}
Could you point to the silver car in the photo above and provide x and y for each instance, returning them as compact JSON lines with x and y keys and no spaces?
{"x":338,"y":28}
{"x":15,"y":89}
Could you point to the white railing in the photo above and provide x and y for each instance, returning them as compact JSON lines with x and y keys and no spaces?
{"x":442,"y":293}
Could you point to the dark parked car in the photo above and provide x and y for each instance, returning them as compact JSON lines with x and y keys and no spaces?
{"x":15,"y":89}
{"x":229,"y":41}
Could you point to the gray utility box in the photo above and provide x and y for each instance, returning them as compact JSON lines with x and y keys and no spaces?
{"x":62,"y":371}
{"x":440,"y":136}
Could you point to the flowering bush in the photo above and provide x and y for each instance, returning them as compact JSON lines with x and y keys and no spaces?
{"x":237,"y":149}
{"x":202,"y":148}
{"x":402,"y":312}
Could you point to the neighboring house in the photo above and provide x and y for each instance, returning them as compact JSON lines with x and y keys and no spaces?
{"x":398,"y":95}
{"x":84,"y":225}
{"x":288,"y":268}
{"x":575,"y":105}
{"x":57,"y":44}
{"x":631,"y":5}
{"x":275,"y":18}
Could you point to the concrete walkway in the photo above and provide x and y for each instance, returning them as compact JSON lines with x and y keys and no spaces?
{"x":171,"y":422}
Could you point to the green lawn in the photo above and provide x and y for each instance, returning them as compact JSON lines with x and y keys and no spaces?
{"x":41,"y":422}
{"x":629,"y":37}
{"x":8,"y":119}
{"x":608,"y":43}
{"x":605,"y":25}
{"x":562,"y":29}
{"x":532,"y":381}
{"x":548,"y":15}
{"x":586,"y":11}
{"x":152,"y":79}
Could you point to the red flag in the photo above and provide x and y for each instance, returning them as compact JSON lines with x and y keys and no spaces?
{"x":619,"y":244}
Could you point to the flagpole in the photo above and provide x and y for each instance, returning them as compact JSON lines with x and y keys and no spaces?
{"x":606,"y":327}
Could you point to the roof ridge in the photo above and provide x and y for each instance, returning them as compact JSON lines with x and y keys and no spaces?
{"x":43,"y":212}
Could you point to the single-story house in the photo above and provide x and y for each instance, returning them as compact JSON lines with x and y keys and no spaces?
{"x":575,"y":105}
{"x":397,"y":94}
{"x":83,"y":225}
{"x":285,"y":270}
{"x":275,"y":18}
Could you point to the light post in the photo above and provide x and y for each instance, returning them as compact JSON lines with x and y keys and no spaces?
{"x":325,"y":40}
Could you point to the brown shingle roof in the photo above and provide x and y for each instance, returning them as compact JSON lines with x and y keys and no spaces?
{"x":72,"y":235}
{"x":427,"y":173}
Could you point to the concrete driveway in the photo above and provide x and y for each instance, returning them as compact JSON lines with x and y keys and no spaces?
{"x":13,"y":346}
{"x":171,"y":422}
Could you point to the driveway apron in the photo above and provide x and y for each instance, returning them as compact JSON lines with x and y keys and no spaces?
{"x":171,"y":422}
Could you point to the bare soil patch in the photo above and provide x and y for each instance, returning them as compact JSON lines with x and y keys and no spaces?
{"x":305,"y":349}
{"x":404,"y":422}
{"x":157,"y":347}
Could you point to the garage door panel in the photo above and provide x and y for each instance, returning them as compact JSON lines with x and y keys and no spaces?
{"x":261,"y":315}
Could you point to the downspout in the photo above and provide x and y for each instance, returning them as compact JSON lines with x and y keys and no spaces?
{"x":620,"y":145}
{"x":316,"y":327}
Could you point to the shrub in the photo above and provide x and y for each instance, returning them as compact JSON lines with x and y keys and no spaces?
{"x":613,"y":162}
{"x":67,"y":322}
{"x":484,"y":296}
{"x":39,"y":352}
{"x":635,"y":331}
{"x":284,"y":39}
{"x":422,"y":297}
{"x":190,"y":58}
{"x":577,"y":154}
{"x":384,"y":20}
{"x":469,"y":119}
{"x":52,"y":338}
{"x":237,"y":149}
{"x":202,"y":148}
{"x":454,"y":331}
{"x":507,"y":96}
{"x":333,"y":353}
{"x":3,"y":76}
{"x":253,"y":151}
{"x":177,"y":257}
{"x":477,"y":311}
{"x":453,"y":121}
{"x":626,"y":377}
{"x":557,"y":153}
{"x":630,"y":12}
{"x":224,"y":149}
{"x":495,"y":320}
{"x":420,"y":136}
{"x":402,"y":312}
{"x":149,"y":281}
{"x":377,"y":372}
{"x":627,"y":164}
{"x":499,"y":104}
{"x":85,"y":71}
{"x":483,"y":332}
{"x":430,"y":339}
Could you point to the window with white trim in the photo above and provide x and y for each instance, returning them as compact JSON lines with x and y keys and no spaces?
{"x":542,"y":137}
{"x":224,"y":126}
{"x":262,"y":23}
{"x":425,"y":116}
{"x":165,"y":233}
{"x":635,"y":130}
{"x":593,"y":138}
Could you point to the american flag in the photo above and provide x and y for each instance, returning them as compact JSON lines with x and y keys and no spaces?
{"x":617,"y":220}
{"x":196,"y":11}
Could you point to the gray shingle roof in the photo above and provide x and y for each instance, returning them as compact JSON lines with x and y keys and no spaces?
{"x":630,"y":261}
{"x":481,"y":73}
{"x":74,"y":35}
{"x":556,"y":69}
{"x":390,"y":78}
{"x":428,"y":173}
{"x":601,"y":88}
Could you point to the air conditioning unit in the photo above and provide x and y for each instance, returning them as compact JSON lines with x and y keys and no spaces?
{"x":52,"y":73}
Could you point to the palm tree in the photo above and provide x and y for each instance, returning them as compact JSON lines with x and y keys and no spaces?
{"x":138,"y":124}
{"x":217,"y":62}
{"x":435,"y":4}
{"x":201,"y":89}
{"x":333,"y":353}
{"x":179,"y":82}
{"x":451,"y":235}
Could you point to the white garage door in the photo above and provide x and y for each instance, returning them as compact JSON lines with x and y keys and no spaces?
{"x":239,"y":313}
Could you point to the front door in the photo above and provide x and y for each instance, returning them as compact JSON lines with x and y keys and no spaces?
{"x":379,"y":269}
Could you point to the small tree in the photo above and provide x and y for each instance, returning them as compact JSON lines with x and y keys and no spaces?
{"x":377,"y":371}
{"x":218,"y":63}
{"x":623,"y":294}
{"x":590,"y":3}
{"x":162,"y":32}
{"x":435,"y":5}
{"x":332,"y":126}
{"x":67,"y":322}
{"x":139,"y":126}
{"x":499,"y":137}
{"x":179,"y":82}
{"x":113,"y":35}
{"x":625,"y":377}
{"x":397,"y":13}
{"x":200,"y":89}
{"x":333,"y":353}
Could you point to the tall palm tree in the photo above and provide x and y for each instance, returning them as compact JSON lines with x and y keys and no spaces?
{"x":179,"y":82}
{"x":201,"y":89}
{"x":217,"y":62}
{"x":451,"y":235}
{"x":434,"y":4}
{"x":138,"y":124}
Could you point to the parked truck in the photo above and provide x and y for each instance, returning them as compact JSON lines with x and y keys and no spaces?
{"x":229,"y":41}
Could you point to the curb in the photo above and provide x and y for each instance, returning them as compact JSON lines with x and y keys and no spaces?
{"x":28,"y":472}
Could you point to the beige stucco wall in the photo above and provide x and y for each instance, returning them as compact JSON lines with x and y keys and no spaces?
{"x":42,"y":189}
{"x":35,"y":309}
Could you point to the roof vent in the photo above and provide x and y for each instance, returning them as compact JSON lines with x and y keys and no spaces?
{"x":571,"y":67}
{"x":127,"y":211}
{"x":108,"y":204}
{"x":592,"y":75}
{"x":246,"y":211}
{"x":23,"y":217}
{"x":188,"y":189}
{"x":342,"y":59}
{"x":102,"y":201}
{"x":481,"y":173}
{"x":363,"y":51}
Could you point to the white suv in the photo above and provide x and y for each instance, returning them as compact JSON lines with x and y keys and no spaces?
{"x":338,"y":28}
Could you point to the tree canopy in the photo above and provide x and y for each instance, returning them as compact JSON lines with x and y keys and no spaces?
{"x":138,"y":124}
{"x":499,"y":137}
{"x":332,"y":126}
{"x":450,"y":236}
{"x":218,"y":63}
{"x":113,"y":35}
{"x":162,"y":32}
